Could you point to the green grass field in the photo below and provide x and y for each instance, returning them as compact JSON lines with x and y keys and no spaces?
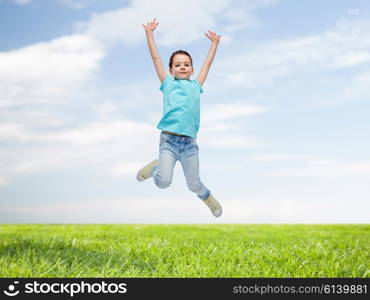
{"x":184,"y":250}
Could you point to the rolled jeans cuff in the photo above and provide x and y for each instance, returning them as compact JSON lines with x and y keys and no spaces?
{"x":205,"y":196}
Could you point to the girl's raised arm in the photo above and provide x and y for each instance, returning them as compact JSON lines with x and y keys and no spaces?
{"x":211,"y":54}
{"x":149,"y":28}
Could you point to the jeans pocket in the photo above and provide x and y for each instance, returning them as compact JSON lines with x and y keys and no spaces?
{"x":164,"y":144}
{"x":192,"y":149}
{"x":162,"y":139}
{"x":161,"y":143}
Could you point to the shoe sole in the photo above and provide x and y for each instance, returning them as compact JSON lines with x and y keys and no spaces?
{"x":139,"y":178}
{"x":217,"y":213}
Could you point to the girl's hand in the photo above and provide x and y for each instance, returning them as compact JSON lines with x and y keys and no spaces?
{"x":213,"y":36}
{"x":150,"y":26}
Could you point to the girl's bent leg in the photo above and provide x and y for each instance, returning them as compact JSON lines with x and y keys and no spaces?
{"x":163,"y":173}
{"x":190,"y":165}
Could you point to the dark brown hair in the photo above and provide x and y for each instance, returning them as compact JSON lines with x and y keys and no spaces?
{"x":179,"y":52}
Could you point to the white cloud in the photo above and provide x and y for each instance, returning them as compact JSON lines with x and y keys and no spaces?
{"x":277,"y":62}
{"x":92,"y":133}
{"x":49,"y":71}
{"x":228,"y":112}
{"x":174,"y":28}
{"x":228,"y":140}
{"x":98,"y":132}
{"x":349,"y":59}
{"x":362,"y":78}
{"x":271,"y":157}
{"x":48,"y":140}
{"x":329,"y":168}
{"x":220,"y":126}
{"x":101,"y":144}
{"x":311,"y":166}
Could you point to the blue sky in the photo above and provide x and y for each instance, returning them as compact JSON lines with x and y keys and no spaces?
{"x":284,"y":116}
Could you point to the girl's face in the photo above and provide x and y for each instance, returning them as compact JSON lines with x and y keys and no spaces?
{"x":181,"y":67}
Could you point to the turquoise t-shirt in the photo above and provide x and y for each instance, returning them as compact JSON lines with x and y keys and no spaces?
{"x":181,"y":106}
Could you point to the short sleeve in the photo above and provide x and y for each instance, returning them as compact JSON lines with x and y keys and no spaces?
{"x":198,"y":85}
{"x":165,"y":83}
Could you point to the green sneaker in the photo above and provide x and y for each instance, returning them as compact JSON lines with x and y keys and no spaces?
{"x":146,"y":171}
{"x":214,"y":206}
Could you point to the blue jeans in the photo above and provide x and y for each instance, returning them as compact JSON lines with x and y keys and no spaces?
{"x":185,"y":149}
